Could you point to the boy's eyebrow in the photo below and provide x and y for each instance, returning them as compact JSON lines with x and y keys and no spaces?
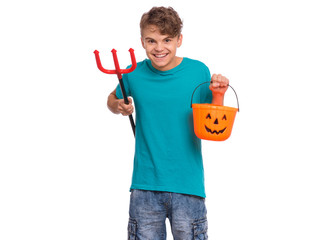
{"x":149,"y":38}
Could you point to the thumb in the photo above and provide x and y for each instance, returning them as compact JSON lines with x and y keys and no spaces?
{"x":130,"y":100}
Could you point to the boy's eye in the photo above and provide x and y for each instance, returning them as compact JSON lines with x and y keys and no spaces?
{"x":167,"y":40}
{"x":150,"y":41}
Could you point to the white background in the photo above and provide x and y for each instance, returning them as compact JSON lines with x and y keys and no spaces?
{"x":66,"y":161}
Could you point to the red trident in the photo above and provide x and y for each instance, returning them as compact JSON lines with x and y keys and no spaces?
{"x":119,"y":73}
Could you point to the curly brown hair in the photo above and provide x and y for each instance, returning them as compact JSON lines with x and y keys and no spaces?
{"x":165,"y":19}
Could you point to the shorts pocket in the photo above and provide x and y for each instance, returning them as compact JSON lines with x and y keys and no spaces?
{"x":132,"y":229}
{"x":201,"y":229}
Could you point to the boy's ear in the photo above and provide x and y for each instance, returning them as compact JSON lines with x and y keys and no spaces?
{"x":179,"y":40}
{"x":142,"y":43}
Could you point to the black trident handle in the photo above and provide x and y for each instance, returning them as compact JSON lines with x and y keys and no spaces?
{"x":127,"y":102}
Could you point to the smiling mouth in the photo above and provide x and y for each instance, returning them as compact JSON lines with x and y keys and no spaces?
{"x":214,"y":131}
{"x":160,"y":55}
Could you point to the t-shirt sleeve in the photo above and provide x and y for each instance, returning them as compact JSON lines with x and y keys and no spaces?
{"x":206,"y":94}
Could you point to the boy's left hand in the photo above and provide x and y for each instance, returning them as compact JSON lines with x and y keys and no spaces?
{"x":219,"y":84}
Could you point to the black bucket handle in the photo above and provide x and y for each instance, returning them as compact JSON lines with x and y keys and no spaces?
{"x":211,"y":82}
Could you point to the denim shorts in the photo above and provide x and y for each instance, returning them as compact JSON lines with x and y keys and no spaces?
{"x":150,"y":209}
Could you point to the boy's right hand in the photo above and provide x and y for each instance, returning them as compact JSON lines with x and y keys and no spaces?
{"x":125,"y":109}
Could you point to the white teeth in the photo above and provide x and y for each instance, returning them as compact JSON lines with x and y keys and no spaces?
{"x":160,"y":55}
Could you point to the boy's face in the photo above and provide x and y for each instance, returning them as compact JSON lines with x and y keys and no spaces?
{"x":161,"y":49}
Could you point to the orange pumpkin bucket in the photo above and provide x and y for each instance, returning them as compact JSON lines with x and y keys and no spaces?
{"x":213,"y":122}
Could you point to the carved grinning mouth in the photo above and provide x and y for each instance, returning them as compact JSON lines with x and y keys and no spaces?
{"x":214,"y":131}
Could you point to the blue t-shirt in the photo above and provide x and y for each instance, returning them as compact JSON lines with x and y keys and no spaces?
{"x":168,"y":154}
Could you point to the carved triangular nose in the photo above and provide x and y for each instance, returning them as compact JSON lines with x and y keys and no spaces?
{"x":216,"y":121}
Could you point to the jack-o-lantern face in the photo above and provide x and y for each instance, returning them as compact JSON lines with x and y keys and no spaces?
{"x":212,"y":122}
{"x":215,"y":124}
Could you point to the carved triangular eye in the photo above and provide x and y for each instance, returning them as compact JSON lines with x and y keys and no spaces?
{"x":208,"y":116}
{"x":224,"y":117}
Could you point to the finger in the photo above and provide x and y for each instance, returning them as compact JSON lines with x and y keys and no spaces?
{"x":221,"y":81}
{"x":214,"y":81}
{"x":224,"y":82}
{"x":214,"y":77}
{"x":127,"y":112}
{"x":127,"y":108}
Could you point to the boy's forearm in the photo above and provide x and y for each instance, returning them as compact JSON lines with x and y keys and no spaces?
{"x":112,"y":102}
{"x":217,"y":99}
{"x":218,"y":86}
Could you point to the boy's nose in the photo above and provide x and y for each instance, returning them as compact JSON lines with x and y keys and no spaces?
{"x":159,"y":47}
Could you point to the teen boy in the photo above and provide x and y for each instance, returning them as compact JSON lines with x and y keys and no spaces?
{"x":168,"y":177}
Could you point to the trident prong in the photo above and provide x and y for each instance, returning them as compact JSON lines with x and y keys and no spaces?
{"x":119,"y":73}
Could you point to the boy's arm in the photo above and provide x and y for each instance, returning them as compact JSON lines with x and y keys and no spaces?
{"x":219,"y":85}
{"x":117,"y":105}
